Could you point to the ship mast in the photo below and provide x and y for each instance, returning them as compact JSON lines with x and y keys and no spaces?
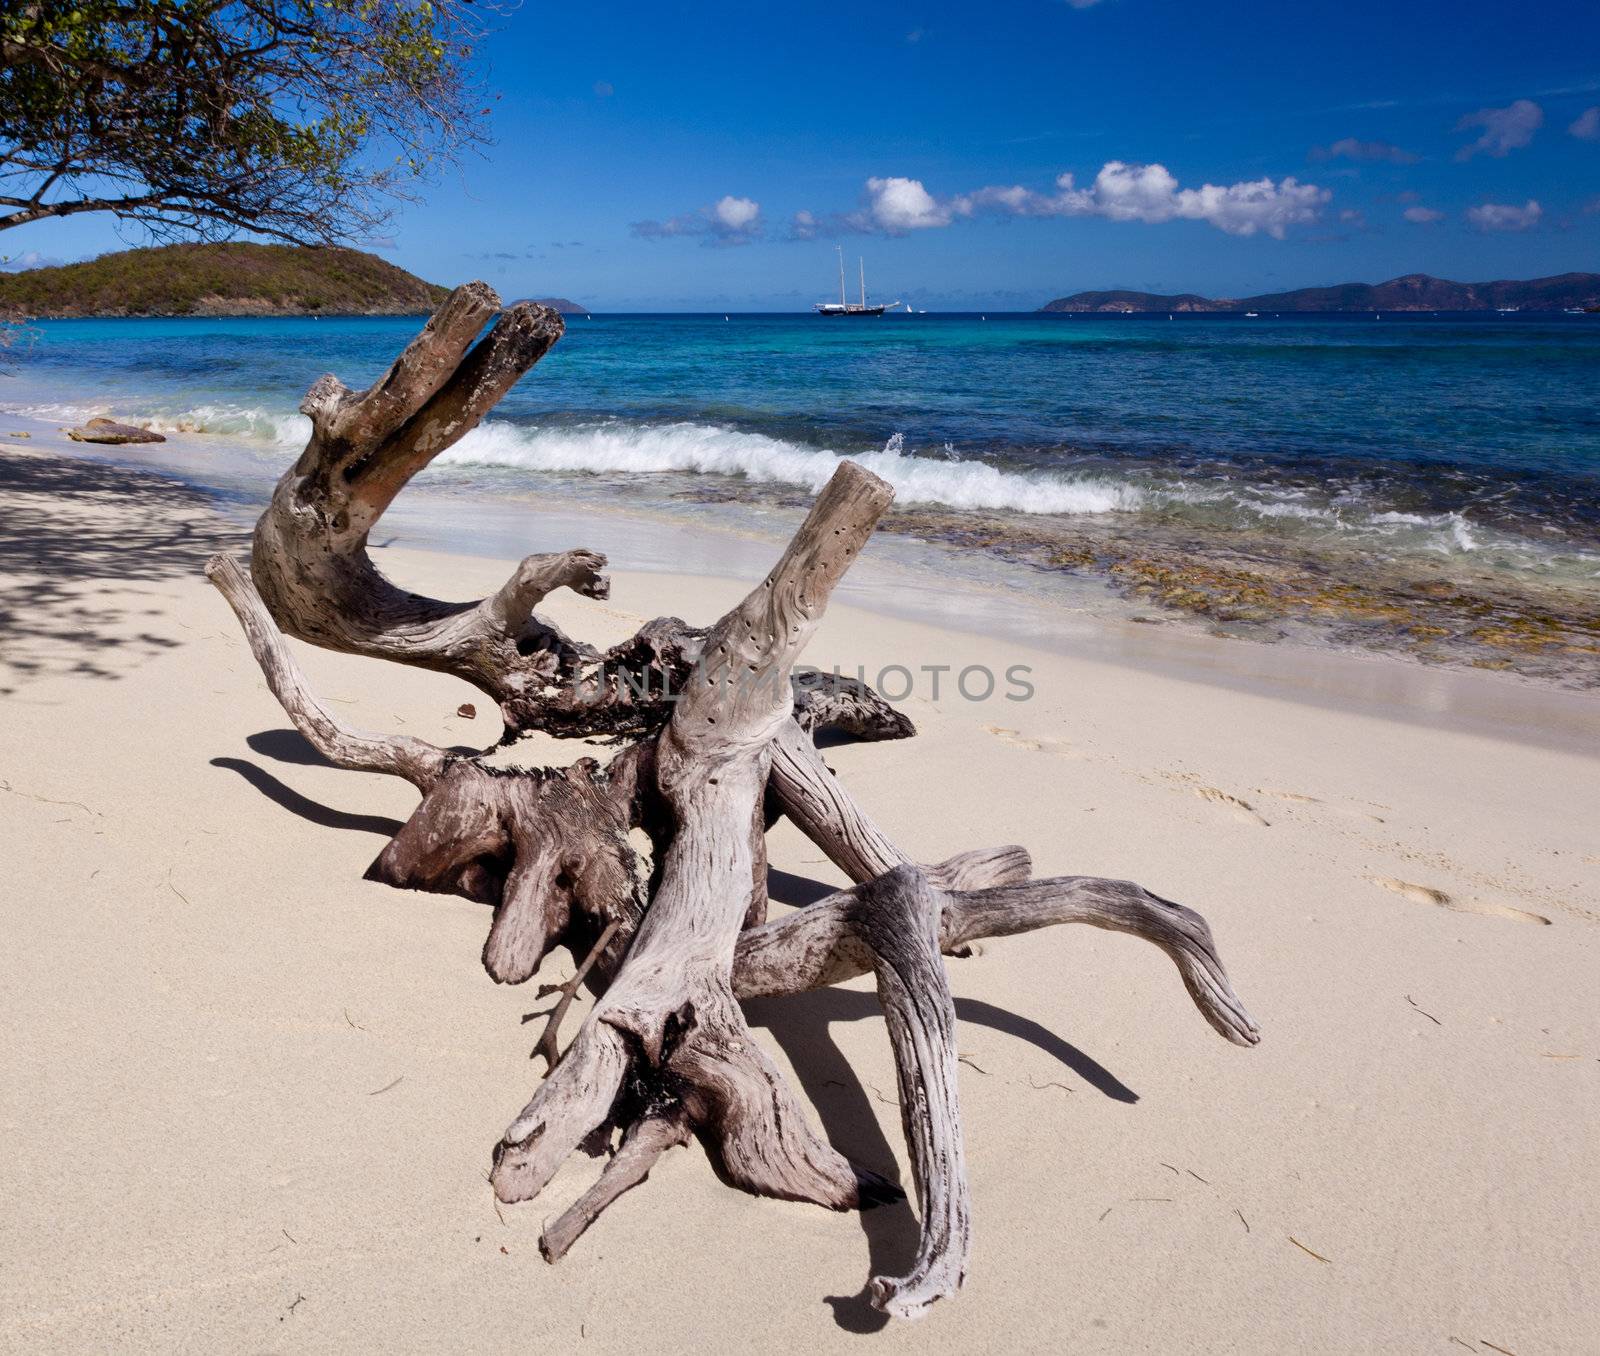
{"x":863,"y":264}
{"x":840,"y":248}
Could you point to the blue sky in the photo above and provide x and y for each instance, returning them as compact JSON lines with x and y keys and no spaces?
{"x":655,"y":156}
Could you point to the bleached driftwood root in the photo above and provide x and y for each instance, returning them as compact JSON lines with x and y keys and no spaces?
{"x":669,"y":951}
{"x":309,"y":556}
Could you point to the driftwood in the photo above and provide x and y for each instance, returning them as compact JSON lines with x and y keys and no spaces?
{"x":671,"y":947}
{"x":309,"y":556}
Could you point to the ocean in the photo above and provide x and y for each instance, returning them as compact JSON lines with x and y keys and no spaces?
{"x":1425,"y":485}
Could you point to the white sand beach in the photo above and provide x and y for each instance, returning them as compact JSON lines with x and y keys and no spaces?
{"x":247,"y":1099}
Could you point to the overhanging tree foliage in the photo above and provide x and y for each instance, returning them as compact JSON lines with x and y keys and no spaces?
{"x":298,"y":119}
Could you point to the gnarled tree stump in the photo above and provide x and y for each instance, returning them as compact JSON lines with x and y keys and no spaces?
{"x":670,"y":951}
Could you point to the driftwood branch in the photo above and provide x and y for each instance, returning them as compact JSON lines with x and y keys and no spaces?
{"x":895,"y":927}
{"x":645,"y":1141}
{"x":310,"y":562}
{"x":420,"y":763}
{"x":819,"y":945}
{"x":898,"y":922}
{"x":672,"y":1000}
{"x":670,"y":945}
{"x":549,"y":1044}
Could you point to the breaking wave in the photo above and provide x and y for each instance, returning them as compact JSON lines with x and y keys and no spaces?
{"x":623,"y":448}
{"x":280,"y":428}
{"x":688,"y":448}
{"x":703,"y":449}
{"x":250,"y":423}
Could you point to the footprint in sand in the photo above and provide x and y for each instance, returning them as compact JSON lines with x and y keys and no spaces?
{"x":1299,"y":799}
{"x":1017,"y":739}
{"x":1242,"y":810}
{"x":1426,"y":894}
{"x":1007,"y":735}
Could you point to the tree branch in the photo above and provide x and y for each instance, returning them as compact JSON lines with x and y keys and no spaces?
{"x":420,"y":763}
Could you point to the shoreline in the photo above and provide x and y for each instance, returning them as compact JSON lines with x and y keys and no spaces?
{"x":1453,"y":563}
{"x":991,"y":600}
{"x":1423,"y":489}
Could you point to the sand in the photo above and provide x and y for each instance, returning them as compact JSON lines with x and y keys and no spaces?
{"x":247,"y":1099}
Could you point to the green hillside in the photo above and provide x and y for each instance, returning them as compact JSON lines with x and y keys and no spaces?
{"x":220,"y":280}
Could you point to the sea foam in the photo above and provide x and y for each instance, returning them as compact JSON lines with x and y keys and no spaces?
{"x":622,"y":447}
{"x":703,"y":449}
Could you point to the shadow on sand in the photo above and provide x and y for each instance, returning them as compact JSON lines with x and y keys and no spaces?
{"x":313,"y":811}
{"x":77,"y":540}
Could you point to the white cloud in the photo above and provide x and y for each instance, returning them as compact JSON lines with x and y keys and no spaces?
{"x":1586,"y":126}
{"x":1349,"y":148}
{"x":1121,"y":191}
{"x":898,"y":205}
{"x":1504,"y":129}
{"x":1150,"y":193}
{"x":729,"y":221}
{"x":1495,"y":216}
{"x":1259,"y":205}
{"x":810,"y":225}
{"x":1020,"y":201}
{"x":1422,"y":216}
{"x":736,"y":214}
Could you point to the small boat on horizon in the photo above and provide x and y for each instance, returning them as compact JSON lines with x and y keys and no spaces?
{"x":843,"y":307}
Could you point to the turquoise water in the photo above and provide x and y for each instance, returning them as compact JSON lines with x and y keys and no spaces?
{"x":1393,"y":451}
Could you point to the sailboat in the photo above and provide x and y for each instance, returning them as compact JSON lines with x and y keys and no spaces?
{"x":843,"y":307}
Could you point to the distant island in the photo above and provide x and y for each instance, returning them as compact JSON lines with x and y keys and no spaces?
{"x":561,"y":306}
{"x":221,"y":280}
{"x":226,"y":280}
{"x":1413,"y":292}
